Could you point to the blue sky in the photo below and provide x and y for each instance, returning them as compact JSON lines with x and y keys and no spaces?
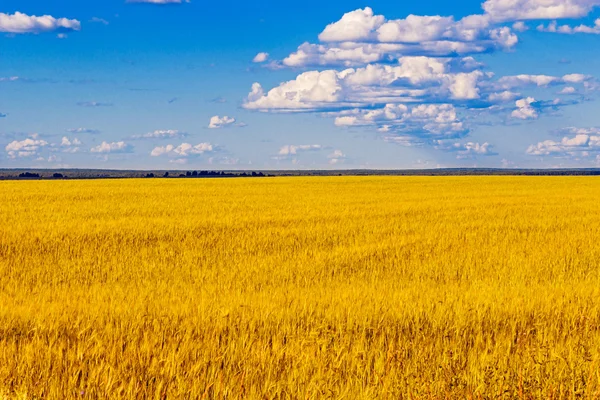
{"x":284,"y":85}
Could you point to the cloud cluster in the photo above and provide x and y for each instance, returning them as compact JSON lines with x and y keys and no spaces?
{"x":25,"y":148}
{"x":183,"y":150}
{"x":261,"y":57}
{"x":113,"y":147}
{"x":23,"y":23}
{"x":416,"y":80}
{"x":361,"y":37}
{"x":469,"y":150}
{"x":161,"y":134}
{"x":517,"y":10}
{"x":291,"y":149}
{"x":553,"y":27}
{"x":217,"y":122}
{"x":581,"y":144}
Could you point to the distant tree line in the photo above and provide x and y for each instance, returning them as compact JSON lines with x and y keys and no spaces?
{"x":208,"y":174}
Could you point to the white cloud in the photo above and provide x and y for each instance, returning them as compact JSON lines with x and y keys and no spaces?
{"x":417,"y":121}
{"x":568,"y":90}
{"x":360,"y":37}
{"x":336,"y":157}
{"x":219,"y":122}
{"x":520,"y":26}
{"x":582,"y":144}
{"x":114,"y":147}
{"x":66,"y":142}
{"x":161,"y":134}
{"x":290,"y":149}
{"x":553,"y":27}
{"x":525,"y":109}
{"x":261,"y":57}
{"x":353,"y":26}
{"x":413,"y":79}
{"x":503,"y":97}
{"x":466,"y":150}
{"x":183,"y":150}
{"x":25,"y":148}
{"x":23,"y":23}
{"x":516,"y":10}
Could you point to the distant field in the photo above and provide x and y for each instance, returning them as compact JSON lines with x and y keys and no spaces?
{"x":324,"y":287}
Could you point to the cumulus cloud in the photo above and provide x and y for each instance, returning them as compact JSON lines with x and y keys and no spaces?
{"x":413,"y":79}
{"x":336,"y":157}
{"x":526,"y":109}
{"x":424,"y":120}
{"x":2,"y":115}
{"x":466,"y":150}
{"x":292,"y":150}
{"x":161,"y":134}
{"x":261,"y":57}
{"x":66,"y":142}
{"x":25,"y":148}
{"x":70,"y":145}
{"x":553,"y":27}
{"x":183,"y":150}
{"x":361,"y":37}
{"x":114,"y":147}
{"x":583,"y":143}
{"x":516,"y":10}
{"x":23,"y":23}
{"x":217,"y":122}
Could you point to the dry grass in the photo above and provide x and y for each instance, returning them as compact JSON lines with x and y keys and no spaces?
{"x":353,"y":288}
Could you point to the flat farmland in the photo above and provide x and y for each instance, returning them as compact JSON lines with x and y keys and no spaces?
{"x":301,"y":287}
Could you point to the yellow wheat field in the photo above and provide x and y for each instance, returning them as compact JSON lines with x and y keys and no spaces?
{"x":301,"y":288}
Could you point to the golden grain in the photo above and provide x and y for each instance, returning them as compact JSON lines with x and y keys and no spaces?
{"x":354,"y":288}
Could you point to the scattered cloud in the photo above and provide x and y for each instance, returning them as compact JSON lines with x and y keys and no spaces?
{"x":161,"y":134}
{"x":22,"y":23}
{"x":553,"y":27}
{"x":526,"y":109}
{"x":217,"y":122}
{"x":290,"y":149}
{"x":518,"y":10}
{"x":466,"y":150}
{"x":70,"y":145}
{"x":99,"y":20}
{"x":114,"y":147}
{"x":583,"y":143}
{"x":183,"y":150}
{"x":336,"y":157}
{"x":25,"y":148}
{"x":261,"y":58}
